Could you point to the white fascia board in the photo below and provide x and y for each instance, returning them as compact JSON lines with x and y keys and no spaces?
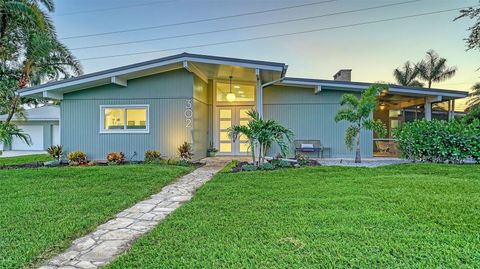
{"x":235,"y":63}
{"x":53,"y":95}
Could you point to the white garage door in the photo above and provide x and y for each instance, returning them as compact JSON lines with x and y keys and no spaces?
{"x":55,"y":135}
{"x":36,"y":135}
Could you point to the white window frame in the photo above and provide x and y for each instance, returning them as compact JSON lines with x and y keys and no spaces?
{"x":125,"y":130}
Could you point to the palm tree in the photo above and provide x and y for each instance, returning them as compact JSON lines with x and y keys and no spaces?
{"x":261,"y":135}
{"x":474,"y":100}
{"x":406,"y":75}
{"x":24,"y":13}
{"x":8,"y":131}
{"x":434,"y":68}
{"x":357,"y":111}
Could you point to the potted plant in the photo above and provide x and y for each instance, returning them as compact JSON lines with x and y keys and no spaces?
{"x":211,"y":151}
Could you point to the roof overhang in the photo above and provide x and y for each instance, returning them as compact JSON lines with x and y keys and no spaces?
{"x":205,"y":67}
{"x":318,"y":85}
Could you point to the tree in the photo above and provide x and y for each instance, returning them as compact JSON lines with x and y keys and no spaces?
{"x":358,"y":112}
{"x":261,"y":135}
{"x":473,"y":40}
{"x":406,"y":75}
{"x":434,"y":68}
{"x":9,"y":131}
{"x":474,"y":100}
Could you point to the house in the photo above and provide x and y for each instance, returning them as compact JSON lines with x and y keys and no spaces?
{"x":41,"y":124}
{"x":161,"y":103}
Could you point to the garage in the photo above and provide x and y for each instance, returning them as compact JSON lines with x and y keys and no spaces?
{"x":41,"y":124}
{"x":36,"y":135}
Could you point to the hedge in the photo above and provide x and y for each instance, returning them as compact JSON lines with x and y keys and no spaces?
{"x":439,"y":141}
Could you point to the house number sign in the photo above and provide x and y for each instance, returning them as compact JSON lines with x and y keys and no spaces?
{"x":188,"y":113}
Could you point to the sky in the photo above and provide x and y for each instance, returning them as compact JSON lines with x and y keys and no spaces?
{"x":372,"y":50}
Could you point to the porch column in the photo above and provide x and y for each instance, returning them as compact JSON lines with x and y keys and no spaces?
{"x":259,"y":94}
{"x":453,"y":110}
{"x":428,"y":110}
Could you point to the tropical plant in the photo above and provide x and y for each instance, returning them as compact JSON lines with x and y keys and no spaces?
{"x":358,"y":112}
{"x":261,"y":135}
{"x":152,"y":156}
{"x":77,"y":157}
{"x":434,"y":69}
{"x":473,"y":113}
{"x":8,"y":131}
{"x":55,"y":151}
{"x":406,"y":75}
{"x":116,"y":157}
{"x":185,"y":151}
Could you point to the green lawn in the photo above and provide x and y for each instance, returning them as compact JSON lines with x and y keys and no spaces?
{"x":25,"y":159}
{"x":403,"y":216}
{"x":43,"y":210}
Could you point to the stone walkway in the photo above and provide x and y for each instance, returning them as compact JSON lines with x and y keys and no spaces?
{"x":117,"y":235}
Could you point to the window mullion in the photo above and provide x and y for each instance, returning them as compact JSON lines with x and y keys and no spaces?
{"x":125,"y":119}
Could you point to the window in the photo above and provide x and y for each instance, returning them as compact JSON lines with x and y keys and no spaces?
{"x":242,"y":92}
{"x":124,"y":119}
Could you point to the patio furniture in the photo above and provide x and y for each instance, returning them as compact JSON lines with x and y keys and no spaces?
{"x":310,"y":145}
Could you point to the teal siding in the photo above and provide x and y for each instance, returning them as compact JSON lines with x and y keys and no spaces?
{"x":167,"y":95}
{"x":311,"y":116}
{"x":200,"y":118}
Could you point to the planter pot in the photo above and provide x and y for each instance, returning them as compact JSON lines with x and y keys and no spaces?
{"x":211,"y":154}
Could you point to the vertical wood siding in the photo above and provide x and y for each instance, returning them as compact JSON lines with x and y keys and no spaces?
{"x":165,"y":93}
{"x":311,"y":116}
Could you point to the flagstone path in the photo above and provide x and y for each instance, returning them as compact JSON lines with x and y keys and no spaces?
{"x":117,"y":235}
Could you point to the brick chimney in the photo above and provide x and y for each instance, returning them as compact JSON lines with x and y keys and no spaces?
{"x":343,"y":75}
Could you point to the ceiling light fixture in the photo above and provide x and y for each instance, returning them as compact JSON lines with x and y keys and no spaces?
{"x":231,"y":96}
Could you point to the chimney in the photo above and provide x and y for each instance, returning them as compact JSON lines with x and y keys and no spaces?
{"x":343,"y":75}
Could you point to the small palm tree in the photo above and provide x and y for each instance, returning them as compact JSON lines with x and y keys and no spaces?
{"x":261,"y":135}
{"x":474,"y":100}
{"x":9,"y":131}
{"x":406,"y":75}
{"x":434,"y":68}
{"x":358,"y":112}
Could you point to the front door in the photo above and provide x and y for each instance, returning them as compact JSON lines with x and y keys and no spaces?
{"x":229,"y":116}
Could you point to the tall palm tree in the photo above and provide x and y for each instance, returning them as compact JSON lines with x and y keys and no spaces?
{"x":357,"y":112}
{"x":474,"y":100}
{"x":434,"y":68}
{"x":27,"y":13}
{"x":406,"y":75}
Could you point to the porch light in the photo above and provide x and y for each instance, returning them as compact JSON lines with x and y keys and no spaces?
{"x":231,"y":96}
{"x":382,"y":106}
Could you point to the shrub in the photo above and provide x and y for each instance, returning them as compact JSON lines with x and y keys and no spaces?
{"x":185,"y":151}
{"x":439,"y":141}
{"x":152,"y":156}
{"x":249,"y":167}
{"x":116,"y":157}
{"x":302,"y":160}
{"x":78,"y":157}
{"x":183,"y":163}
{"x":266,"y":166}
{"x":281,"y":163}
{"x":55,"y":152}
{"x":92,"y":163}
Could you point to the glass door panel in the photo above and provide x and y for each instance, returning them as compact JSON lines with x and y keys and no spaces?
{"x":225,"y":122}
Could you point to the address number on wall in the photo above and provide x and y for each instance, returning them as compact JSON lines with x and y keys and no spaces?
{"x":188,"y":113}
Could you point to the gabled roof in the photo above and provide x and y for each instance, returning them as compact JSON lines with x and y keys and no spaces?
{"x":350,"y":85}
{"x":119,"y":75}
{"x":44,"y":113}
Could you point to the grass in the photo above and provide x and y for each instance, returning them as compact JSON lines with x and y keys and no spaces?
{"x":44,"y":210}
{"x":403,"y":216}
{"x":25,"y":159}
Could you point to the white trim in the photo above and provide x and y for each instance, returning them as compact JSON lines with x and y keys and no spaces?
{"x":52,"y":95}
{"x":118,"y":81}
{"x":179,"y":60}
{"x":102,"y":129}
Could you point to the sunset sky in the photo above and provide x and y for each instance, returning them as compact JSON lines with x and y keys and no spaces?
{"x":372,"y":50}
